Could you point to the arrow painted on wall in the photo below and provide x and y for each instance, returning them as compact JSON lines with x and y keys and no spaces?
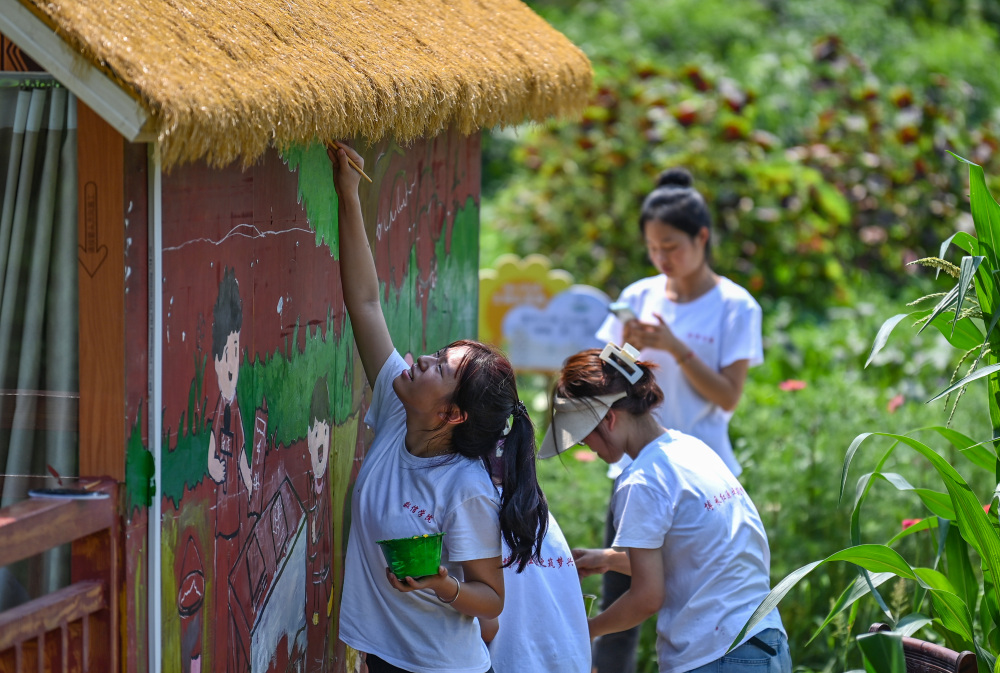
{"x":92,"y":254}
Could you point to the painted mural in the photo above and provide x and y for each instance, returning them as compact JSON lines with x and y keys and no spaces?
{"x":263,"y":393}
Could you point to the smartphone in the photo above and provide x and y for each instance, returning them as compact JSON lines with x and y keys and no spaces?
{"x":622,"y":311}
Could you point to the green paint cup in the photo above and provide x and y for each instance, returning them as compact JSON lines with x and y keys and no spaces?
{"x":416,"y":556}
{"x":588,"y":603}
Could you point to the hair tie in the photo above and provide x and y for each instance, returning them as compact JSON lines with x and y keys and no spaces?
{"x":519,"y":410}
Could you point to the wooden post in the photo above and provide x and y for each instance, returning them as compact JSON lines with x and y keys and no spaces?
{"x":103,"y":431}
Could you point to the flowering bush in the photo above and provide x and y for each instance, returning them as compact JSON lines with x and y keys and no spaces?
{"x":820,"y":171}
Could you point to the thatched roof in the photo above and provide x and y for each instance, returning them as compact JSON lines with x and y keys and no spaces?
{"x":224,"y":79}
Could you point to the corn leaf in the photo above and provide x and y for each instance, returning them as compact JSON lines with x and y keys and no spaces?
{"x":968,"y":271}
{"x":959,"y":568}
{"x":855,"y":590}
{"x":882,"y":652}
{"x":978,"y":374}
{"x":923,"y":524}
{"x":963,"y":240}
{"x":963,"y":334}
{"x":883,"y":335}
{"x":977,"y":453}
{"x":938,"y":503}
{"x":872,"y":557}
{"x":953,"y":615}
{"x":947,"y":302}
{"x":912,"y":623}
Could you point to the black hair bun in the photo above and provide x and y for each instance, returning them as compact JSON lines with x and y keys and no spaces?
{"x":675,"y":177}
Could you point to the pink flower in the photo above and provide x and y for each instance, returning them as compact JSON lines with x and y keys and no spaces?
{"x":895,"y":403}
{"x":792,"y":384}
{"x":585,"y":456}
{"x":910,"y":522}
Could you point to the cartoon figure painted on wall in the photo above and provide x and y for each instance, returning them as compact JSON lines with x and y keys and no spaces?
{"x":319,"y":595}
{"x":228,"y":465}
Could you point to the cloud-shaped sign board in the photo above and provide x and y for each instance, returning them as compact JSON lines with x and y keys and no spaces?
{"x":540,"y":339}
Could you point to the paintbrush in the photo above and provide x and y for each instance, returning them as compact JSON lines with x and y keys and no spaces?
{"x":351,"y":162}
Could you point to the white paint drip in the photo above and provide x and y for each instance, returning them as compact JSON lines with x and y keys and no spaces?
{"x":240,"y":230}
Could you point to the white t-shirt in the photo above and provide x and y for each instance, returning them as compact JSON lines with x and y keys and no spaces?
{"x":721,"y":326}
{"x":677,"y":496}
{"x":543,"y":626}
{"x":398,"y":495}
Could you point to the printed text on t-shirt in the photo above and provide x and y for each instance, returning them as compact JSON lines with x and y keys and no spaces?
{"x":418,"y":511}
{"x":724,"y":497}
{"x":557,"y":562}
{"x":691,"y":336}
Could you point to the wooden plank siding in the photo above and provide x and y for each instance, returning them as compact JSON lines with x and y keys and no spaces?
{"x":103,"y":430}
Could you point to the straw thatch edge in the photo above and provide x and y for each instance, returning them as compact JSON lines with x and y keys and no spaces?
{"x":527,"y":73}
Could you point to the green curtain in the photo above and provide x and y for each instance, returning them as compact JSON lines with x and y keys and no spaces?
{"x":39,"y":298}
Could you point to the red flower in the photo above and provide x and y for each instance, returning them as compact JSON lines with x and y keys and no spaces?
{"x":895,"y":403}
{"x":585,"y":456}
{"x":792,"y":384}
{"x":910,"y":522}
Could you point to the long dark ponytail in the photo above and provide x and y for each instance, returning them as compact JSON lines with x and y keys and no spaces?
{"x":487,"y":393}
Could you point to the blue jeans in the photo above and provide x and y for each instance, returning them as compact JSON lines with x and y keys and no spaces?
{"x":765,"y":652}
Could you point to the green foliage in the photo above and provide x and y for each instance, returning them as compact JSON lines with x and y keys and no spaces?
{"x":883,"y":652}
{"x":822,"y":147}
{"x":819,"y":144}
{"x":953,"y":595}
{"x":974,"y":301}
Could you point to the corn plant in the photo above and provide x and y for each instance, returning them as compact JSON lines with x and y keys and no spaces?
{"x":951,"y":599}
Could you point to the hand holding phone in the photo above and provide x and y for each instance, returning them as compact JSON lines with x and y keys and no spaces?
{"x":622,"y":311}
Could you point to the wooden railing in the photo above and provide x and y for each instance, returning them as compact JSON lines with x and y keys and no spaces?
{"x":74,"y":628}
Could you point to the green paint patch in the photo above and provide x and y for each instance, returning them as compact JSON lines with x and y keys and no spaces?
{"x":186,"y":464}
{"x":452,"y":308}
{"x":139,"y":469}
{"x":452,"y":304}
{"x":285,"y":381}
{"x":316,"y":191}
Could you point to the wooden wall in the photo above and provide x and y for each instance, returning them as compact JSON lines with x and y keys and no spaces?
{"x":255,"y":351}
{"x":253,"y":522}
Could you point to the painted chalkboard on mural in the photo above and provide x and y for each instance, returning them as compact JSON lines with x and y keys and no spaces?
{"x":540,"y":339}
